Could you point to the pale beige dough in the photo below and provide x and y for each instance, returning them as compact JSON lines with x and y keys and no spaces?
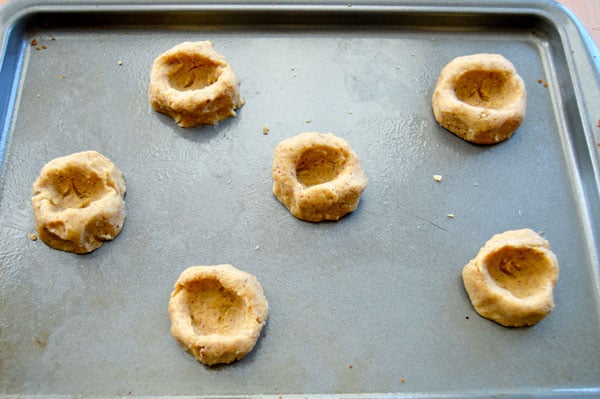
{"x":317,"y":176}
{"x":217,"y":312}
{"x":194,"y":85}
{"x":78,"y":202}
{"x":512,"y":278}
{"x":480,"y":98}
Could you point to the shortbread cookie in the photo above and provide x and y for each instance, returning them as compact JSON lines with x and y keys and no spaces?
{"x":194,"y":85}
{"x":217,"y":313}
{"x":317,"y":176}
{"x":78,"y":202}
{"x":511,"y":280}
{"x":480,"y":98}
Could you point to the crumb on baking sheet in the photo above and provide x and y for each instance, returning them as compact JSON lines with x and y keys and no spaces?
{"x":266,"y":129}
{"x":32,"y":237}
{"x":36,"y":45}
{"x":308,"y":121}
{"x":450,"y":215}
{"x":437,"y":178}
{"x":598,"y":125}
{"x":402,"y":380}
{"x":120,"y":62}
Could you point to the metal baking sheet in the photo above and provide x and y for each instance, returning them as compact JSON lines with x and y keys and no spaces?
{"x":372,"y":305}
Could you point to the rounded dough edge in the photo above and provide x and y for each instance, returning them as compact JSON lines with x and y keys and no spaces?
{"x":327,"y":200}
{"x":499,"y":304}
{"x":214,"y":348}
{"x":479,"y":124}
{"x":203,"y":106}
{"x":84,"y":229}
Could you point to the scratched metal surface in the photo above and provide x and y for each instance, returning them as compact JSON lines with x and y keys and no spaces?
{"x":370,"y":305}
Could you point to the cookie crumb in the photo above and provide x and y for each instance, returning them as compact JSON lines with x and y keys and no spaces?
{"x":266,"y":129}
{"x":402,"y":380}
{"x":350,"y":366}
{"x":450,"y":215}
{"x":257,"y":248}
{"x":598,"y":125}
{"x":34,"y":42}
{"x":32,"y":237}
{"x":44,"y":46}
{"x":437,"y":178}
{"x":120,"y":62}
{"x":308,"y":121}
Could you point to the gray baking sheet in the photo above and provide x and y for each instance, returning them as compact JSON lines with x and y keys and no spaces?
{"x":372,"y":305}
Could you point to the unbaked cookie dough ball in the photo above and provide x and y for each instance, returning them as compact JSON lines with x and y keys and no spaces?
{"x":317,"y":176}
{"x":511,"y":280}
{"x":217,"y":312}
{"x":78,"y":202}
{"x":480,"y":98}
{"x":194,"y":85}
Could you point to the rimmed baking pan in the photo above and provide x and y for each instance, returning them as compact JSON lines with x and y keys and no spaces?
{"x":372,"y":305}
